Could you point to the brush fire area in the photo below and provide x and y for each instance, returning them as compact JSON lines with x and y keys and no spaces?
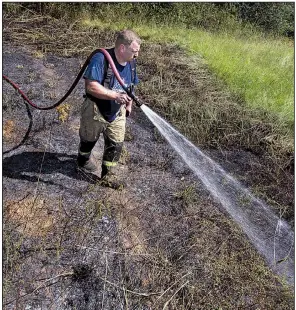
{"x":161,"y":242}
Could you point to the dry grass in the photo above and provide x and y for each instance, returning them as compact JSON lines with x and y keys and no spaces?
{"x":9,"y":131}
{"x":31,"y":217}
{"x":47,"y":35}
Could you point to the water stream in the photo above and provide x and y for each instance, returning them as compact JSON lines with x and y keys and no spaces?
{"x":271,"y":235}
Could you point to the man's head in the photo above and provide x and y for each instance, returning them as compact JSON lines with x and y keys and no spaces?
{"x":127,"y":44}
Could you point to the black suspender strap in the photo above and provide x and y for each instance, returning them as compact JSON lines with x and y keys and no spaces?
{"x":108,"y":74}
{"x":133,"y":69}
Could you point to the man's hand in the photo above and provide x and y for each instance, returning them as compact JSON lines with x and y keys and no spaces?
{"x":122,"y":98}
{"x":99,"y":91}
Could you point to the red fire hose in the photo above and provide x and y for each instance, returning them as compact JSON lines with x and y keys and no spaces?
{"x":110,"y":60}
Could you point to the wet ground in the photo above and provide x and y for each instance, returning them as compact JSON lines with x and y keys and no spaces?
{"x":70,"y":243}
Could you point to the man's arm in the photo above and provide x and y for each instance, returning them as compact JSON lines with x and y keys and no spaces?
{"x":99,"y":91}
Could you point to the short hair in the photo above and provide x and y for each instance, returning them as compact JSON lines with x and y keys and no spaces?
{"x":126,"y":37}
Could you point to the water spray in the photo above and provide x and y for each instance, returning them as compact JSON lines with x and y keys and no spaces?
{"x":271,"y":236}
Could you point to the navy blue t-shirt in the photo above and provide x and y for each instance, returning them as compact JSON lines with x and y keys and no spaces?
{"x":96,"y":71}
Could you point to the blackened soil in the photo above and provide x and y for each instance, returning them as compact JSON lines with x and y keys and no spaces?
{"x":70,"y":243}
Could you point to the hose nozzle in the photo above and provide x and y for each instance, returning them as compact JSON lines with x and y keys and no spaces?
{"x":130,"y":93}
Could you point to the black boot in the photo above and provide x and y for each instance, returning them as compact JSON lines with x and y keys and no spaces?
{"x":86,"y":163}
{"x":109,"y":178}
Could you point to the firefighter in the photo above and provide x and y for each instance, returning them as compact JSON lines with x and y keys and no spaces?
{"x":107,"y":105}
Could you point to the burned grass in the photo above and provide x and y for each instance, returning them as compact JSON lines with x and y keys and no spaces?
{"x":169,"y":252}
{"x":161,"y":243}
{"x":202,"y":109}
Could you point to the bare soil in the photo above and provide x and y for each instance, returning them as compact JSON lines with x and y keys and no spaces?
{"x":69,"y":243}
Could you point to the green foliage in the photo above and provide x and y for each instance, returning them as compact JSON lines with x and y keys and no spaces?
{"x":260,"y":71}
{"x":276,"y":17}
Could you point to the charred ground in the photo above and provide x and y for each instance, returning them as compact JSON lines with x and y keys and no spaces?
{"x":160,"y":243}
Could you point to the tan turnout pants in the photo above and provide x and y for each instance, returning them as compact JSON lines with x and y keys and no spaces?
{"x":92,"y":124}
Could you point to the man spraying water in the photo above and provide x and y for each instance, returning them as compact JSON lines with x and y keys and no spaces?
{"x":107,"y":105}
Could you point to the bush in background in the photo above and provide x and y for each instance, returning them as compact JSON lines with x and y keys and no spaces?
{"x":276,"y":18}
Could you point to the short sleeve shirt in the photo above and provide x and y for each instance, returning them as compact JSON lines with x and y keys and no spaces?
{"x":96,"y":71}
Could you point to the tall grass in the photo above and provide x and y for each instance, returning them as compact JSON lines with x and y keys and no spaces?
{"x":260,"y":70}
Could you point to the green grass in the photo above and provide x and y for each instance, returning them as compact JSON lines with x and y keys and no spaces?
{"x":260,"y":70}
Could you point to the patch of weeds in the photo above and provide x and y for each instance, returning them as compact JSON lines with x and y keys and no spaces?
{"x":97,"y":209}
{"x":63,"y":112}
{"x":188,"y":195}
{"x":11,"y":255}
{"x":101,"y":210}
{"x":38,"y":54}
{"x":7,"y":286}
{"x":33,"y":94}
{"x":31,"y":217}
{"x":9,"y":130}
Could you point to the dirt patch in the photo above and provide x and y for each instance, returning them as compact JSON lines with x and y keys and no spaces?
{"x":31,"y":217}
{"x":161,"y":242}
{"x":9,"y":131}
